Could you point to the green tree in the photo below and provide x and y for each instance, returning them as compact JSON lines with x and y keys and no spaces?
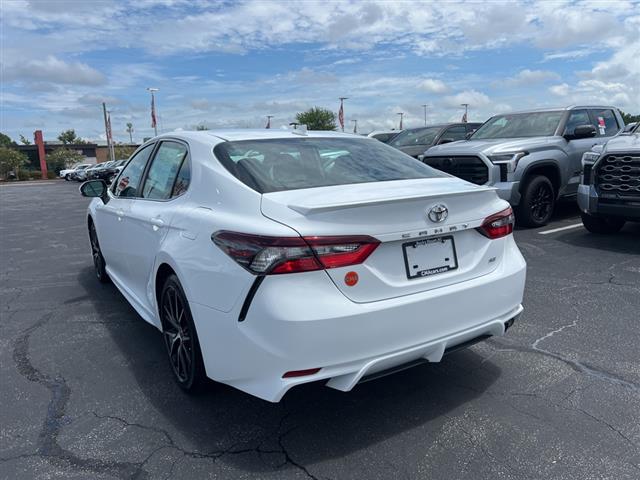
{"x":628,"y":118}
{"x":62,"y":158}
{"x":11,"y":160}
{"x":69,"y":137}
{"x":317,"y":118}
{"x":5,"y":140}
{"x":130,"y":131}
{"x":24,"y":140}
{"x":201,"y":127}
{"x":123,"y":152}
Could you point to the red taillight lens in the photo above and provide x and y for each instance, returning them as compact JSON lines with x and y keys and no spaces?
{"x":272,"y":255}
{"x":498,"y":225}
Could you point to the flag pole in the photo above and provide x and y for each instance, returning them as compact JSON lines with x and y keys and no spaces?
{"x":154,"y":120}
{"x":341,"y":112}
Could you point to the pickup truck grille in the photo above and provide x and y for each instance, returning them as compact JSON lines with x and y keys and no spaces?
{"x":618,"y":175}
{"x":469,"y":168}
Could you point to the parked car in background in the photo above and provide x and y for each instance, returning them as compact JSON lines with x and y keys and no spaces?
{"x":533,"y":158}
{"x":609,"y":194}
{"x":85,"y":174}
{"x":385,"y":136}
{"x":415,"y":141}
{"x":67,"y":173}
{"x":96,"y":170}
{"x":314,"y":257}
{"x":78,"y":174}
{"x":108,"y":170}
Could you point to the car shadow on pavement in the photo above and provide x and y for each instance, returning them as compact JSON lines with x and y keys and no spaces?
{"x":625,"y":241}
{"x":311,"y":424}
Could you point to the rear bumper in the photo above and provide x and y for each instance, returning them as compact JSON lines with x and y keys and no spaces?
{"x":305,"y":322}
{"x":590,"y":203}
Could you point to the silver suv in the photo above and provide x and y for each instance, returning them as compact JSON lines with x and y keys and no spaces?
{"x":533,"y":158}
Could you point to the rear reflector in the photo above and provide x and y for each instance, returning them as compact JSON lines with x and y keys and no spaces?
{"x":301,"y":373}
{"x":264,"y":255}
{"x":498,"y":225}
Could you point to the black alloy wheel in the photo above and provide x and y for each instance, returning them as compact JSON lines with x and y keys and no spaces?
{"x":180,"y":337}
{"x":98,"y":260}
{"x":537,"y":203}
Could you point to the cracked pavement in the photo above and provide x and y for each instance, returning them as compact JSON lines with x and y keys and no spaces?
{"x":86,"y":391}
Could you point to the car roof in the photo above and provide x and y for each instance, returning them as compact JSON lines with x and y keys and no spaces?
{"x":214,"y":137}
{"x":556,"y":109}
{"x":442,"y":125}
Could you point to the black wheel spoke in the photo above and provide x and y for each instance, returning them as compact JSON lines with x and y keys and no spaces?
{"x":177,"y":333}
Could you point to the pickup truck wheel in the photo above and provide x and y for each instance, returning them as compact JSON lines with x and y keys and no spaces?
{"x":601,"y":225}
{"x":537,"y":203}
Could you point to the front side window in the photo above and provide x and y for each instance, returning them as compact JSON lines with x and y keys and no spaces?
{"x":287,"y":164}
{"x":605,"y":122}
{"x":128,"y":183}
{"x":576,"y":119}
{"x":416,"y":136}
{"x":455,"y":133}
{"x":532,"y":124}
{"x":164,"y":170}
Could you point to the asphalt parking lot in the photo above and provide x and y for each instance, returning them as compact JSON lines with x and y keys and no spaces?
{"x":86,"y":391}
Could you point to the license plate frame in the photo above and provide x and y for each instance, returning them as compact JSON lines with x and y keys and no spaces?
{"x":412,"y":268}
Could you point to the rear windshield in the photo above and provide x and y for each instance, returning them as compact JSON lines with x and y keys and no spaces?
{"x":288,"y":164}
{"x":532,"y":124}
{"x":418,"y":136}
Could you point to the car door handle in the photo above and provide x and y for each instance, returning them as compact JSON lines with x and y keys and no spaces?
{"x":157,"y":223}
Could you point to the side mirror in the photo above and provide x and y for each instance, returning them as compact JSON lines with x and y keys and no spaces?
{"x":421,"y":157}
{"x":583,"y":131}
{"x":95,"y":189}
{"x":445,"y":140}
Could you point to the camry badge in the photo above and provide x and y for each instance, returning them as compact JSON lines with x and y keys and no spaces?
{"x":438,"y":213}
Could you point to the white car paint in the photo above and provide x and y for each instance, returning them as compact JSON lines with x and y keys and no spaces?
{"x":313,"y":319}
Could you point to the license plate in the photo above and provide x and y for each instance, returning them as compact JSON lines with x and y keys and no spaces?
{"x":430,"y":256}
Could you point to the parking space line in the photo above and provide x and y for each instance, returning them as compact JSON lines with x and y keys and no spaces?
{"x":554,"y":230}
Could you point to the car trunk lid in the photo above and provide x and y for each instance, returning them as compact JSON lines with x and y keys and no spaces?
{"x":415,"y":254}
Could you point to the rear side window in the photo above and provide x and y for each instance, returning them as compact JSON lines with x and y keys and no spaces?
{"x":287,"y":164}
{"x":164,"y":169}
{"x":128,"y":183}
{"x":605,"y":122}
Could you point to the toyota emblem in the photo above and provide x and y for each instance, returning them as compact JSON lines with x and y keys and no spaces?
{"x":438,"y":213}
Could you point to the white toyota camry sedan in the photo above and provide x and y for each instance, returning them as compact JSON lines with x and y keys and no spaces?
{"x":271,"y":258}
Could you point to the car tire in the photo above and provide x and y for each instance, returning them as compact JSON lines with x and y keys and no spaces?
{"x":99,"y":264}
{"x":601,"y":225}
{"x":180,"y":337}
{"x":66,"y":177}
{"x":537,"y":202}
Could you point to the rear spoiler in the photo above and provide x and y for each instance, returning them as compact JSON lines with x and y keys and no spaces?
{"x":327,"y":207}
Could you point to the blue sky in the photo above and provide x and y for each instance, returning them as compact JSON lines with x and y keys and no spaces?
{"x":229,"y":64}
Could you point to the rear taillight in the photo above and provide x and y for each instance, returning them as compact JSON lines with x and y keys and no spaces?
{"x":498,"y":225}
{"x":264,"y":255}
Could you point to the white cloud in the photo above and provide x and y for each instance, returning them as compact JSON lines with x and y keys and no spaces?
{"x":562,"y":89}
{"x":474,"y":98}
{"x":528,"y":77}
{"x":53,"y":70}
{"x":433,"y":85}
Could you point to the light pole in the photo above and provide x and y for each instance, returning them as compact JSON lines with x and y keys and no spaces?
{"x":154,"y":121}
{"x":341,"y":112}
{"x":355,"y":126}
{"x":466,"y":112}
{"x":401,"y":116}
{"x":425,"y":113}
